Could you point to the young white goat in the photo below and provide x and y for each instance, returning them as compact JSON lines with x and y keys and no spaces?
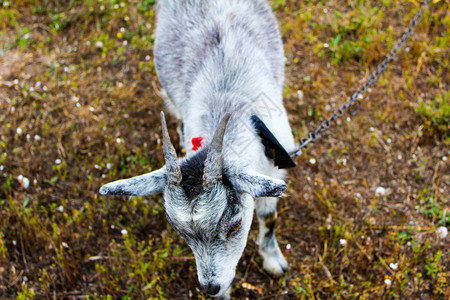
{"x":221,"y":62}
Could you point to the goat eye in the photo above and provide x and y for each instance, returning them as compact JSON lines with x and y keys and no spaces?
{"x":234,"y":227}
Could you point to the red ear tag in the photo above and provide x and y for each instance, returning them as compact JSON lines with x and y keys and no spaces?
{"x":196,"y":142}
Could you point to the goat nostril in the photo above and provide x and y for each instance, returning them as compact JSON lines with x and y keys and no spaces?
{"x":211,"y":288}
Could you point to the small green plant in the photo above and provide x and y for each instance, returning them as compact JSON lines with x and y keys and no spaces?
{"x":26,"y":293}
{"x":354,"y":33}
{"x":436,"y":115}
{"x":432,"y":266}
{"x":431,"y":206}
{"x":7,"y":18}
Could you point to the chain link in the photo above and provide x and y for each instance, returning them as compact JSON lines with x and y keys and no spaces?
{"x":354,"y":101}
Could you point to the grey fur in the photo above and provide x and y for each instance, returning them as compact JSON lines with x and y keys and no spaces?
{"x":143,"y":185}
{"x":217,"y":58}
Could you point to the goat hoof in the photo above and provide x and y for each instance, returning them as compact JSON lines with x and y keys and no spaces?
{"x":226,"y":295}
{"x":274,"y":264}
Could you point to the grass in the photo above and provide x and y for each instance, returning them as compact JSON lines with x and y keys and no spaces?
{"x":79,"y":107}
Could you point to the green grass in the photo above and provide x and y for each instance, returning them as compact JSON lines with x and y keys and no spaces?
{"x":78,"y":80}
{"x":436,"y":115}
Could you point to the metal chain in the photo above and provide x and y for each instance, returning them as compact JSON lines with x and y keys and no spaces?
{"x":354,"y":100}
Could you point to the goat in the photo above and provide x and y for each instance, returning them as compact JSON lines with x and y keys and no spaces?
{"x":220,"y":63}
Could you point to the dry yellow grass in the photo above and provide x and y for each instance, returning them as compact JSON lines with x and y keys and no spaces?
{"x":79,"y":107}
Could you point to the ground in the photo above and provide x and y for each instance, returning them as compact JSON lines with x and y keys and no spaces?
{"x":367,"y":207}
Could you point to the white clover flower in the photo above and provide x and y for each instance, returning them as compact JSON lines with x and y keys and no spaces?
{"x":393,"y":266}
{"x":99,"y":44}
{"x":342,"y":242}
{"x":24,"y":181}
{"x":442,"y":232}
{"x":312,"y":161}
{"x":380,"y":191}
{"x":147,"y":57}
{"x":388,"y":282}
{"x":60,"y":208}
{"x":57,"y":161}
{"x":124,"y":232}
{"x":19,"y":130}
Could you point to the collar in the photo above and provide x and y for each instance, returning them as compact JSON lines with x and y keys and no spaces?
{"x":272,"y":147}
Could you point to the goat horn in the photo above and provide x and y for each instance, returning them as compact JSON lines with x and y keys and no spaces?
{"x":213,"y":163}
{"x":173,"y":170}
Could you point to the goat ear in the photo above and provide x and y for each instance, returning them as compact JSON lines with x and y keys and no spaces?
{"x":259,"y":185}
{"x":143,"y":185}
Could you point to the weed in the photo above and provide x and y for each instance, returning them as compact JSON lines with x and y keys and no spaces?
{"x":435,"y":115}
{"x":78,"y":79}
{"x":26,"y":293}
{"x":431,"y":206}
